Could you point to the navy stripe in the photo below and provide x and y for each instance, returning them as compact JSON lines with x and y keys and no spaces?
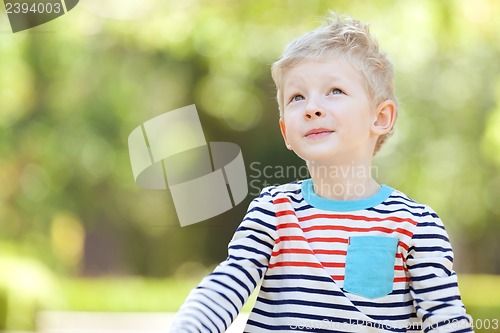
{"x":435,"y":308}
{"x":260,"y":241}
{"x":206,"y":316}
{"x":431,"y":289}
{"x":405,"y":316}
{"x":400,"y":292}
{"x":423,"y":277}
{"x":305,"y":207}
{"x":302,"y":290}
{"x":298,"y":200}
{"x":235,"y":279}
{"x":307,"y":303}
{"x":242,"y":300}
{"x":242,"y":228}
{"x":402,"y":197}
{"x":450,"y":299}
{"x":297,"y":276}
{"x":250,"y":249}
{"x":430,"y":224}
{"x":220,"y":294}
{"x":219,"y":306}
{"x":287,"y":193}
{"x":252,"y":260}
{"x":430,"y":264}
{"x":430,"y":249}
{"x":430,"y":236}
{"x":382,"y":211}
{"x":383,"y":305}
{"x":262,"y":210}
{"x":388,"y":203}
{"x":244,"y":271}
{"x":215,"y":313}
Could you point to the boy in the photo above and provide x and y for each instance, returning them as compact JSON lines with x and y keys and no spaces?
{"x":337,"y":252}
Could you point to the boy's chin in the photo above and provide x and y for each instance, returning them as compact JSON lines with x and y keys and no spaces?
{"x":328,"y":159}
{"x":317,"y":155}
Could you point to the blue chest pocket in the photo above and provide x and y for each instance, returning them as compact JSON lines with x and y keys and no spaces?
{"x":369,"y":267}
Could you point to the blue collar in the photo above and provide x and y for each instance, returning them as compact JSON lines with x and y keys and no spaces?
{"x":343,"y":205}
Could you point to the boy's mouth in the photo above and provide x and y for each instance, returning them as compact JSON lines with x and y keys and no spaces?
{"x":318,"y":133}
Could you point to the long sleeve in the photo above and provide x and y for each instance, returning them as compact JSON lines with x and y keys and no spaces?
{"x":215,"y":303}
{"x":434,"y":285}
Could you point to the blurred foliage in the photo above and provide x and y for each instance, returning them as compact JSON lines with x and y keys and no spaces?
{"x":480,"y":293}
{"x":26,"y":286}
{"x":135,"y":294}
{"x":142,"y":295}
{"x":72,"y":90}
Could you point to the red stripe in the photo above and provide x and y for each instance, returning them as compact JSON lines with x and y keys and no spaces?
{"x":308,"y":251}
{"x":285,"y":212}
{"x":404,"y":245}
{"x":354,"y":229}
{"x":295,"y":264}
{"x":295,"y":251}
{"x":333,"y":264}
{"x":281,"y":200}
{"x":312,"y":240}
{"x":348,"y":229}
{"x":402,"y":279}
{"x":329,"y":240}
{"x":307,"y":264}
{"x":290,"y":238}
{"x":357,"y":218}
{"x":331,"y":252}
{"x":287,"y":225}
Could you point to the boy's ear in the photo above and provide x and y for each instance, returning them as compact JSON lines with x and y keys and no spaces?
{"x":385,"y":117}
{"x":283,"y":133}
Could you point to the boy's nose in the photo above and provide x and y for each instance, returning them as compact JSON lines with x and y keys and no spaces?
{"x":313,"y":112}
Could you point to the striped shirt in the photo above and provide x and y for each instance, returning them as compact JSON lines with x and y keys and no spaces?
{"x":379,"y":264}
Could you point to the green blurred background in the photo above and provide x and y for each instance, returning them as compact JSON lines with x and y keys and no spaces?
{"x":76,"y":233}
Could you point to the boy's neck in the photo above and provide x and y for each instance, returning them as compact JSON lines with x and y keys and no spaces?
{"x":343,"y":181}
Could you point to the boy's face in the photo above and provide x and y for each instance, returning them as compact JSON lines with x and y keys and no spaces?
{"x":327,"y":113}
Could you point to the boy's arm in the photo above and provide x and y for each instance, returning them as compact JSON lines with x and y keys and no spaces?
{"x":433,"y":283}
{"x":219,"y":297}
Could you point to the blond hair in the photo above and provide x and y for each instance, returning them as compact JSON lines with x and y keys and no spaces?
{"x":348,"y":39}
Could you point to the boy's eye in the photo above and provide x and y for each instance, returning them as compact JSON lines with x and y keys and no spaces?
{"x":297,"y":98}
{"x":336,"y":91}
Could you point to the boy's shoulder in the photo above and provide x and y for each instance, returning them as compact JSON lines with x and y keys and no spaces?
{"x":397,"y":201}
{"x":404,"y":199}
{"x":292,"y":189}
